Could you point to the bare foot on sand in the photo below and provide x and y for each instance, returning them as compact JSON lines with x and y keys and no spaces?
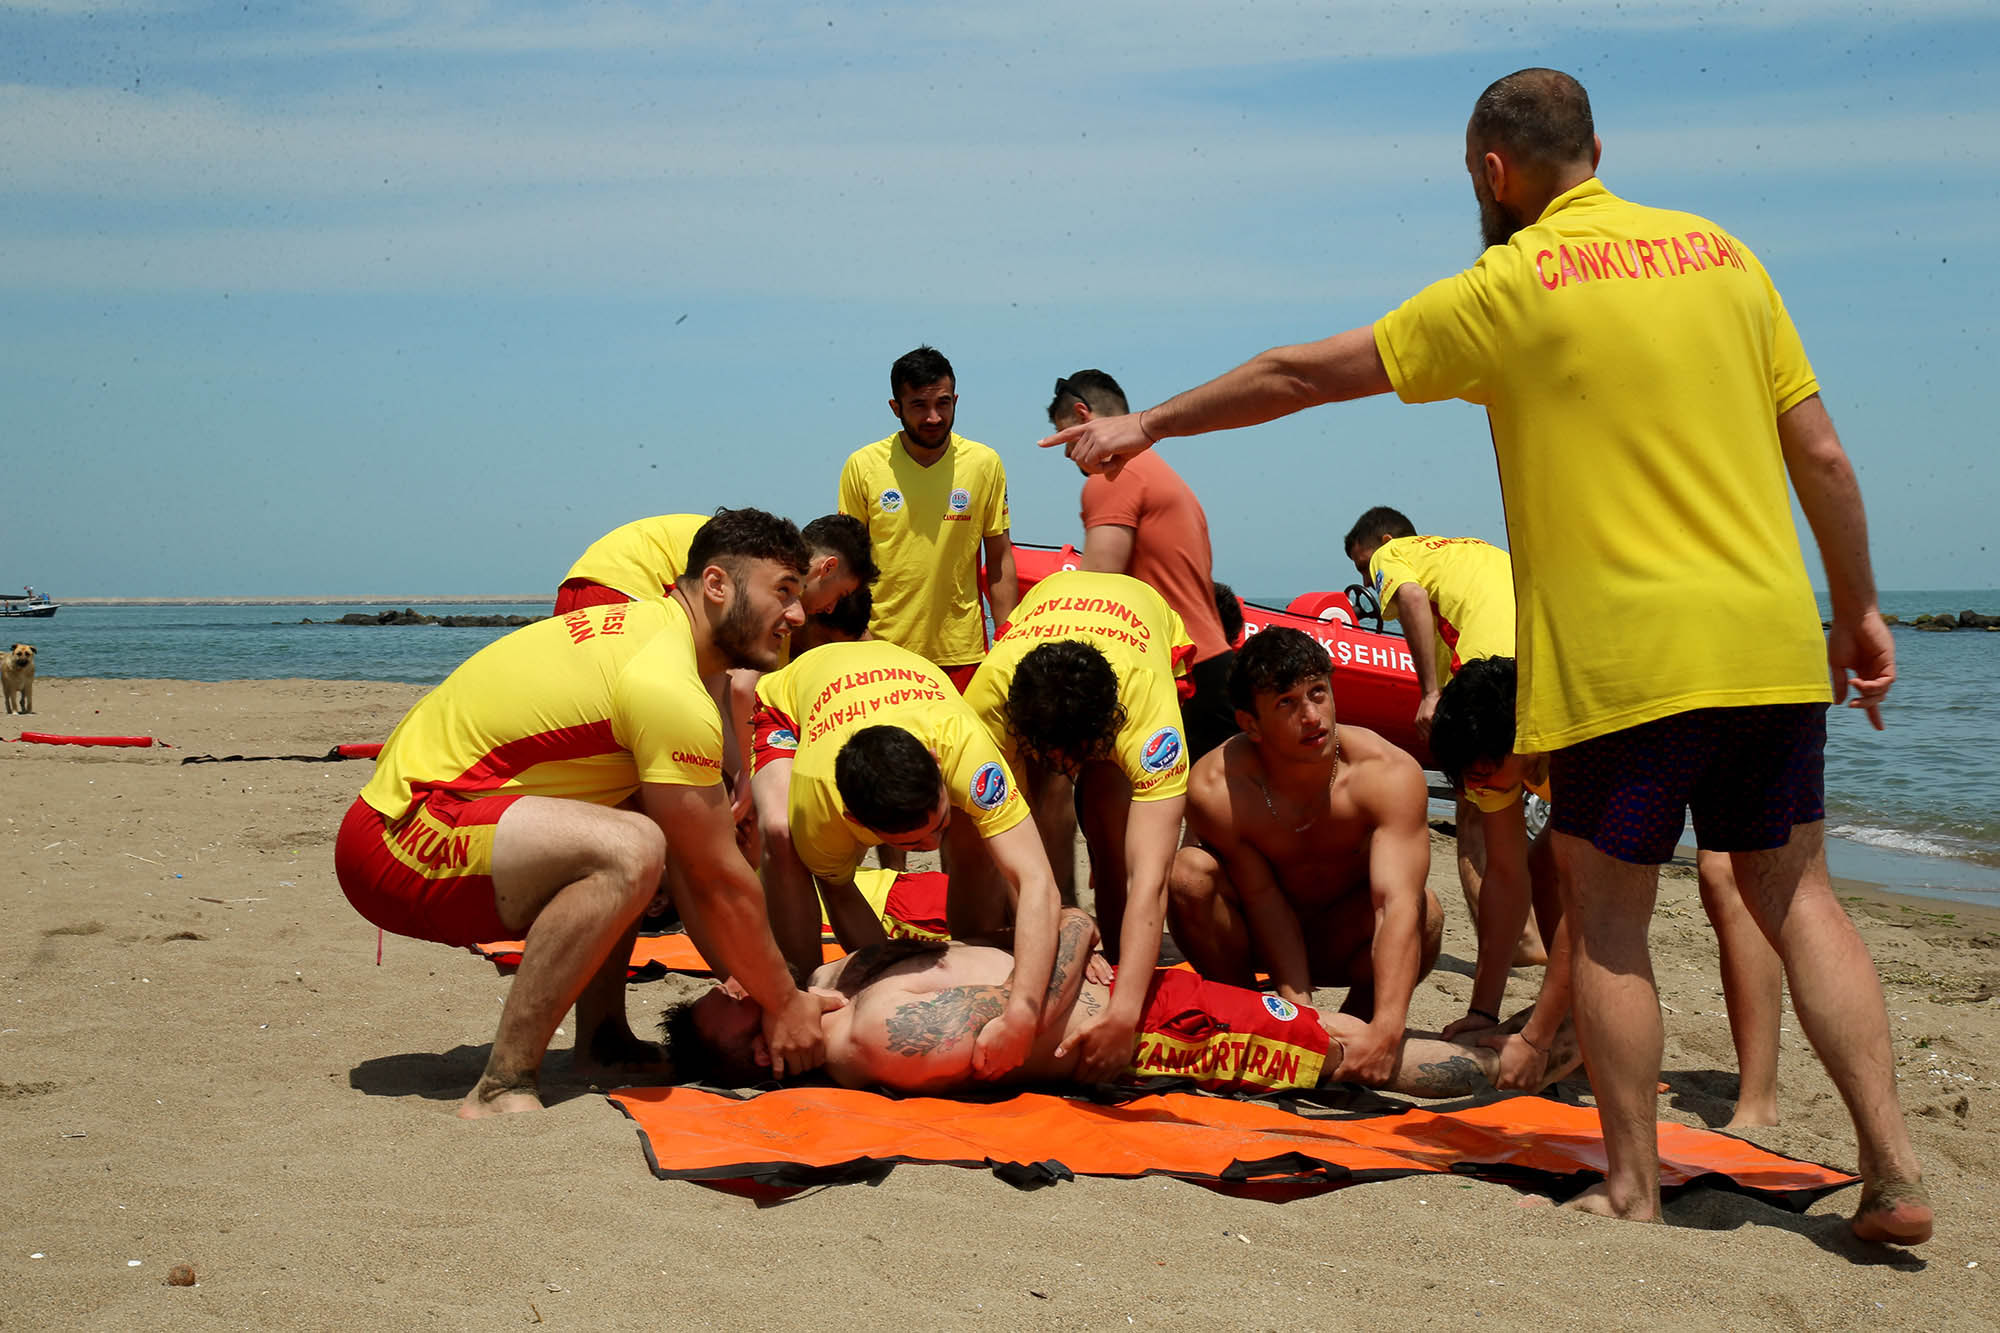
{"x":1597,"y":1201}
{"x":493,"y":1097}
{"x":1894,"y":1213}
{"x":613,"y":1055}
{"x":1750,"y":1116}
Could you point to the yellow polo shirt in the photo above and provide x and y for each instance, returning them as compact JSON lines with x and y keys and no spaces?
{"x":1145,"y":642}
{"x":926,"y":525}
{"x":1633,"y":363}
{"x":1470,"y":586}
{"x":837,"y":689}
{"x":641,"y":559}
{"x":586,"y":707}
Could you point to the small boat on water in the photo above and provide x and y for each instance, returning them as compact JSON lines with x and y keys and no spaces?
{"x":33,"y":604}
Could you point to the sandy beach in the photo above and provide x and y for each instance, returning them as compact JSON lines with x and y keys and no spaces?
{"x":202,"y":1063}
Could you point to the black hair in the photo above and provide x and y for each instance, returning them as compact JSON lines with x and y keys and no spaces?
{"x":1063,"y":703}
{"x":696,"y":1059}
{"x":1230,"y":607}
{"x":1474,"y":722}
{"x":735,"y":535}
{"x":1541,"y":116}
{"x":1376,"y":522}
{"x":848,"y":618}
{"x":887,"y":779}
{"x":1093,"y":388}
{"x":919,"y":368}
{"x":1271,"y":662}
{"x":847,"y":537}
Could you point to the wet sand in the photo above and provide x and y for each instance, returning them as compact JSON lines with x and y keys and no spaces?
{"x":201,"y":1063}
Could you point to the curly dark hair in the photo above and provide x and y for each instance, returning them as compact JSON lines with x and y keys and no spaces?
{"x":733,"y":536}
{"x":1063,"y":703}
{"x":847,"y":537}
{"x":1271,"y":662}
{"x":1474,"y":722}
{"x":696,"y":1059}
{"x":888,"y":779}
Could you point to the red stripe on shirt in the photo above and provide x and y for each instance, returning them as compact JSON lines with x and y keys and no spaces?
{"x":505,"y":762}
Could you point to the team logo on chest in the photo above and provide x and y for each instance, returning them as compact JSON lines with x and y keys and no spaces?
{"x":961,"y":500}
{"x":892,"y":500}
{"x":1281,"y":1009}
{"x":989,"y":786}
{"x":1162,"y":752}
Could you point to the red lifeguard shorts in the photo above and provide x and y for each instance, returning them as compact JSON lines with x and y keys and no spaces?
{"x":575,"y":594}
{"x":1226,"y":1038}
{"x":960,"y":676}
{"x":772,"y":736}
{"x":430,"y":876}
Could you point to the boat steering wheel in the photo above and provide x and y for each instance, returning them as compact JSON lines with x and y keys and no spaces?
{"x":1366,"y":606}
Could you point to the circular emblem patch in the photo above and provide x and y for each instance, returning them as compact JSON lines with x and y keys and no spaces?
{"x":1162,"y":752}
{"x":891,"y":501}
{"x":961,"y":500}
{"x":1281,"y":1009}
{"x":782,"y":739}
{"x":989,"y":786}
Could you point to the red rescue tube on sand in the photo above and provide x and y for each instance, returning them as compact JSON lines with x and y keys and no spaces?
{"x":44,"y":738}
{"x":368,"y":751}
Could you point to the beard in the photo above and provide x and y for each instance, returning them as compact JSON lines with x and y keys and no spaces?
{"x":742,"y":640}
{"x":1495,"y":227}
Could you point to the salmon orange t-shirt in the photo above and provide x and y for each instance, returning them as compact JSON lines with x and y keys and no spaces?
{"x":1170,"y":545}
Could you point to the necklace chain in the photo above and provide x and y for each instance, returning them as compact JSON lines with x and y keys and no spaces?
{"x":1301,"y":828}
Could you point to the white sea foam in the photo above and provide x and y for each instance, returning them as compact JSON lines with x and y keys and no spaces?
{"x":1898,"y":840}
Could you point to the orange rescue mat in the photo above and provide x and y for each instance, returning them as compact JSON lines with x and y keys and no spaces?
{"x":796,"y":1138}
{"x":911,"y":906}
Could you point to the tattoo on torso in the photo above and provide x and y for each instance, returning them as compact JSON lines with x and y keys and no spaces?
{"x":946,"y":1018}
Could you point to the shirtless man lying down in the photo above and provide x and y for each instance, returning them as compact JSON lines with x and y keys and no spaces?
{"x":915,"y":1008}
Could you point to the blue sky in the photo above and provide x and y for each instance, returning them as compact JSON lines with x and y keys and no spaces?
{"x":385,"y":298}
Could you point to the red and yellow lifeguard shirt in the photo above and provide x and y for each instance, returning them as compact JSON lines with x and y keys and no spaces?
{"x":641,"y":559}
{"x":1147,"y":646}
{"x":584,"y":707}
{"x":837,"y":689}
{"x":1633,"y":363}
{"x":926,"y":526}
{"x":1469,"y":584}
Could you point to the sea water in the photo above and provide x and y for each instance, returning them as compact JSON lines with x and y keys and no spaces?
{"x":1915,"y":807}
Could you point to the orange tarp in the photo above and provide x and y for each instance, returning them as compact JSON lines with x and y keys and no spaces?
{"x":806,"y":1136}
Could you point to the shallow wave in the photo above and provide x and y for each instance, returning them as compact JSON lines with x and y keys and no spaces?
{"x":1902,"y":840}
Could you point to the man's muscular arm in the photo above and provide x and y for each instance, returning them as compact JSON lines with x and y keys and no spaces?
{"x":1275,"y":932}
{"x":1413,"y":612}
{"x":1152,"y":831}
{"x":1390,"y":791}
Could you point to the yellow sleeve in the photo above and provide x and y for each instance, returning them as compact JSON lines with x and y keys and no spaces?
{"x":1440,"y":343}
{"x":1389,"y":571}
{"x":1152,"y":752}
{"x":824,"y":840}
{"x":1792,"y":378}
{"x":669,"y":724}
{"x":976,"y":776}
{"x":853,"y":499}
{"x":997,"y":519}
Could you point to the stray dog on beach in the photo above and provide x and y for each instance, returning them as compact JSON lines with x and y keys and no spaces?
{"x":17,"y":678}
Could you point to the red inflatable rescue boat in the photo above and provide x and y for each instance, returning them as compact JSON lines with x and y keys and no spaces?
{"x":1374,"y":680}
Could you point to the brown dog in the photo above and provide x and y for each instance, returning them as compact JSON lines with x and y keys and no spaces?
{"x":17,"y":678}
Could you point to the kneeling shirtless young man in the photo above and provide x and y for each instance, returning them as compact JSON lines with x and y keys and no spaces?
{"x":915,"y":1009}
{"x":1314,"y":845}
